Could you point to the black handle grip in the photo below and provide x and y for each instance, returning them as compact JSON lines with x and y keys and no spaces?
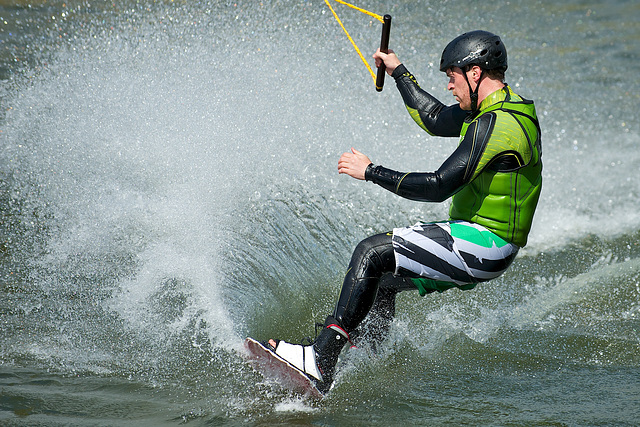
{"x":384,"y":47}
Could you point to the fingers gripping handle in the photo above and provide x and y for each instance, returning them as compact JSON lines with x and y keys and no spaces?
{"x":384,"y":47}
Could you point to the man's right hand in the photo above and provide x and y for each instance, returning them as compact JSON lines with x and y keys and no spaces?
{"x":390,"y":60}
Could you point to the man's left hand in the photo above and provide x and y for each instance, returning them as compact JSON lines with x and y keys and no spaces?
{"x":353,"y":164}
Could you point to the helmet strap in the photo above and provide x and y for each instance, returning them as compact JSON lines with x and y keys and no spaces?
{"x":473,"y":94}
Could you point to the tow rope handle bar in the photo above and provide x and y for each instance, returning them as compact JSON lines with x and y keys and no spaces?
{"x":384,"y":48}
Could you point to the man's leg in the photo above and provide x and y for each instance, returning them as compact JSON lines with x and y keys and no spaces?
{"x":368,"y":292}
{"x":375,"y":327}
{"x":371,"y":259}
{"x":430,"y":257}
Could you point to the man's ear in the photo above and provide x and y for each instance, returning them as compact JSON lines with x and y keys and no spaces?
{"x":476,"y":72}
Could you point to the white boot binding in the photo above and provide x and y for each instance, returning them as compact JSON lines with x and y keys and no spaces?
{"x":301,"y":357}
{"x":319,"y":368}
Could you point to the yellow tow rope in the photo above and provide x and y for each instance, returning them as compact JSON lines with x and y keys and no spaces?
{"x":366,"y":12}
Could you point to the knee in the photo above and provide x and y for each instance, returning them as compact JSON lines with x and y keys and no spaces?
{"x":374,"y":254}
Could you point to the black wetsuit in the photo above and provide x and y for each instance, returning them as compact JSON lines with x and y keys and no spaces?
{"x":363,"y":291}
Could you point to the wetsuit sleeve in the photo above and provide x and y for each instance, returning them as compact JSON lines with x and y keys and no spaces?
{"x":458,"y":170}
{"x":429,"y":113}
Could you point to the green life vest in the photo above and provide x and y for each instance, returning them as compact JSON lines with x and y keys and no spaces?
{"x":504,"y":201}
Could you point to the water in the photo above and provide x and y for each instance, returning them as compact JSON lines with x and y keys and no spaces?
{"x":169,"y":186}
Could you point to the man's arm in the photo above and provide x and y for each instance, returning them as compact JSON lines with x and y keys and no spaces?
{"x":459,"y":169}
{"x":429,"y":113}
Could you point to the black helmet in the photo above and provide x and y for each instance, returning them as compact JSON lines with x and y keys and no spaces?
{"x":480,"y":48}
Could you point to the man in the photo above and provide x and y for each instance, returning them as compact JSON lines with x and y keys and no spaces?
{"x":494,"y":177}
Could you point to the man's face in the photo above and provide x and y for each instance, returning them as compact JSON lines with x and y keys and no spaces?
{"x":458,"y":85}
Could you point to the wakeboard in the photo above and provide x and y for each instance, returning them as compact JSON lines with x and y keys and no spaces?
{"x":267,"y":362}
